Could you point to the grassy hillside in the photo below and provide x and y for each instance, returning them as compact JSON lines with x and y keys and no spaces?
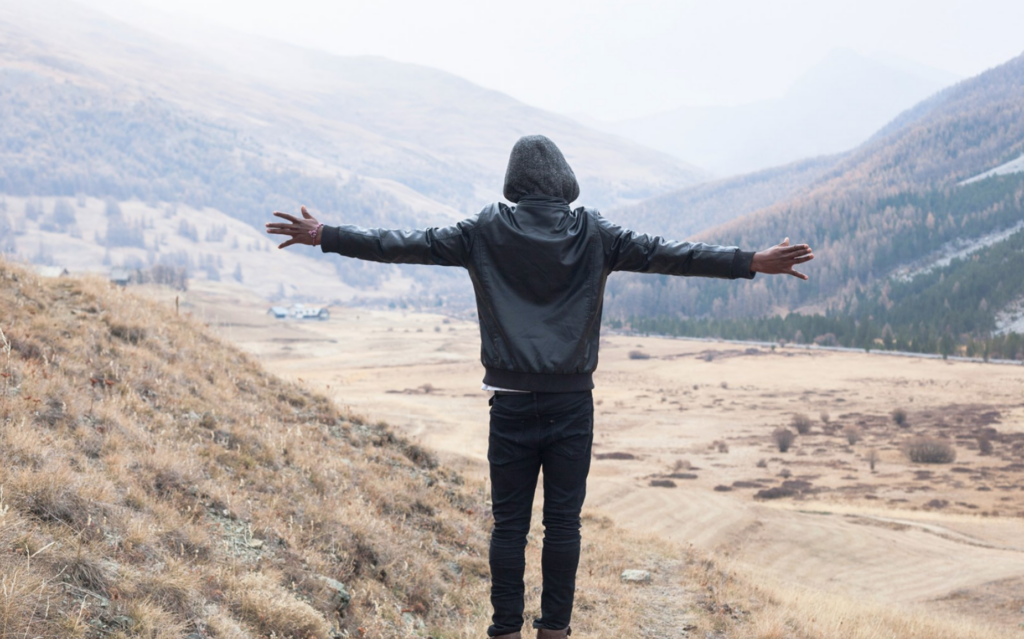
{"x":894,"y":201}
{"x":158,"y":483}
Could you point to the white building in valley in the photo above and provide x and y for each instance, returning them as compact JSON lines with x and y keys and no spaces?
{"x":300,"y":311}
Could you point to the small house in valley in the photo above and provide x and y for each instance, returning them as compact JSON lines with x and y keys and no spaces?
{"x":300,"y":311}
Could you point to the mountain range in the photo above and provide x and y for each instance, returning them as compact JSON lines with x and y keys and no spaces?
{"x":401,"y":125}
{"x":122,"y":147}
{"x":241,"y":126}
{"x":835,"y":106}
{"x":905,"y":197}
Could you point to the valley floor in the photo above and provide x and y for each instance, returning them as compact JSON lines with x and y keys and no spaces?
{"x":698,"y":416}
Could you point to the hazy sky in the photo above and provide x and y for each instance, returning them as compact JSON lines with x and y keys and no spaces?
{"x":624,"y":58}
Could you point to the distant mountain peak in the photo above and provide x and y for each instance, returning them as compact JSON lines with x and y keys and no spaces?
{"x":833,"y":107}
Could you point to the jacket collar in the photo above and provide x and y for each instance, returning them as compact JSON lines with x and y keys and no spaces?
{"x":543,"y":201}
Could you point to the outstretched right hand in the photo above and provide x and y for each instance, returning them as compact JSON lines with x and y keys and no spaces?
{"x":299,"y":230}
{"x":781,"y":259}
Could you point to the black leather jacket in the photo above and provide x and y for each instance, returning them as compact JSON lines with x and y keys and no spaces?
{"x":538,"y":271}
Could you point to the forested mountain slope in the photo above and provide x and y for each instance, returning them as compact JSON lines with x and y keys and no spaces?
{"x":968,"y":305}
{"x":697,"y":208}
{"x":895,"y":200}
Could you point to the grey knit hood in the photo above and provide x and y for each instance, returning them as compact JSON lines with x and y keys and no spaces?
{"x":537,"y":167}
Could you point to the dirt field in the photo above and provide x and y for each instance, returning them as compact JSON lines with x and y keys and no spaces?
{"x":696,"y":418}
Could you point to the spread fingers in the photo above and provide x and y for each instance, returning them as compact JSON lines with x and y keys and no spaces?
{"x":290,"y":218}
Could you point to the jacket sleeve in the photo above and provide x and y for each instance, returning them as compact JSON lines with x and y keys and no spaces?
{"x":628,"y":251}
{"x":443,"y":246}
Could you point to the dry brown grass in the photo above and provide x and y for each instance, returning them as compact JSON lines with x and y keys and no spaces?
{"x":158,"y":478}
{"x":782,"y":611}
{"x":157,"y":482}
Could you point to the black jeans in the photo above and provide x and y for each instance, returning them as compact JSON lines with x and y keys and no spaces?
{"x":530,"y":431}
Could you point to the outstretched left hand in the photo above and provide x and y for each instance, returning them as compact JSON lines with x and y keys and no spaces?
{"x":299,"y":230}
{"x":780,"y":259}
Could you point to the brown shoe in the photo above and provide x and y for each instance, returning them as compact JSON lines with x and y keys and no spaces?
{"x":514,"y":635}
{"x":544,"y":633}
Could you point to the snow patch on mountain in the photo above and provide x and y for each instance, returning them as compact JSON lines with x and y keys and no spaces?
{"x":1013,"y":166}
{"x":957,"y":249}
{"x":1011,"y":319}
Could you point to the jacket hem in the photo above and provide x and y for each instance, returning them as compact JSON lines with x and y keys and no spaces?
{"x":539,"y":382}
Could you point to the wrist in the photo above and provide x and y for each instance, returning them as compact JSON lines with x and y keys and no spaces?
{"x":755,"y":263}
{"x":317,"y":233}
